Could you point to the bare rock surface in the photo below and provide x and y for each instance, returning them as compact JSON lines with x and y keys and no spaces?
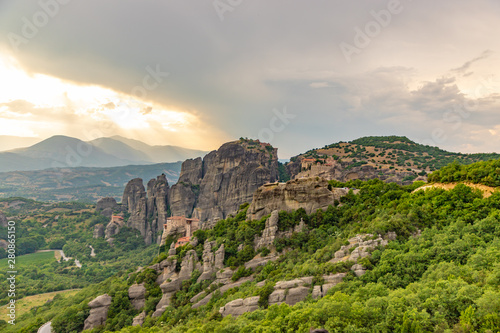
{"x":137,"y":294}
{"x":212,"y":188}
{"x":98,"y":231}
{"x":310,"y":194}
{"x":139,"y":319}
{"x":240,"y":306}
{"x":98,"y":312}
{"x":106,"y":206}
{"x":148,"y":210}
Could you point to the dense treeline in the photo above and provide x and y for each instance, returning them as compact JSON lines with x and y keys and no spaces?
{"x":486,"y":173}
{"x":442,"y":274}
{"x":69,"y":228}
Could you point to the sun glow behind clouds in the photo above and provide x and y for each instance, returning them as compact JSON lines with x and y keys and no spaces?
{"x":31,"y":102}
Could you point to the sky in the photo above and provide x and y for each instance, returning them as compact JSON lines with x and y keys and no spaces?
{"x":298,"y":74}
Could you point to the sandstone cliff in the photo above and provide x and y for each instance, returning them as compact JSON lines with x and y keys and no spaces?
{"x":148,"y":210}
{"x":212,"y":188}
{"x":208,"y":189}
{"x":308,"y":193}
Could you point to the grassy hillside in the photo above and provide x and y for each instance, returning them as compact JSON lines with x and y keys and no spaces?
{"x":30,"y":303}
{"x":441,"y":274}
{"x":32,"y":259}
{"x":397,"y":152}
{"x":66,"y":226}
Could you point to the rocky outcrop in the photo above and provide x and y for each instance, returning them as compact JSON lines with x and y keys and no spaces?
{"x":240,"y":306}
{"x":174,"y":282}
{"x":215,"y":187}
{"x":98,"y":312}
{"x":228,"y":285}
{"x":330,"y":281}
{"x":211,"y":262}
{"x":345,"y":171}
{"x":98,"y":231}
{"x":269,"y":232}
{"x":260,"y":261}
{"x":290,"y":292}
{"x":209,"y":190}
{"x":139,"y":319}
{"x":112,"y":229}
{"x":308,"y":193}
{"x":183,"y":194}
{"x":3,"y":220}
{"x":157,"y":207}
{"x":106,"y":206}
{"x":148,"y":210}
{"x":135,"y":201}
{"x":360,"y":247}
{"x":137,"y":295}
{"x":183,"y":198}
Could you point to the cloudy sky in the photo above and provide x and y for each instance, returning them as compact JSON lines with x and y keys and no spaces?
{"x":299,"y":74}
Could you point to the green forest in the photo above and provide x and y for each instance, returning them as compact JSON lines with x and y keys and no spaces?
{"x":486,"y":173}
{"x":66,"y":226}
{"x":441,"y":274}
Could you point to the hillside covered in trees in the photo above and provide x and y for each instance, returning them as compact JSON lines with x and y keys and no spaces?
{"x":440,"y":274}
{"x":485,"y":173}
{"x":397,"y":152}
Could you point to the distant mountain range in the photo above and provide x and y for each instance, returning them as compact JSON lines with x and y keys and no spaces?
{"x":67,"y":152}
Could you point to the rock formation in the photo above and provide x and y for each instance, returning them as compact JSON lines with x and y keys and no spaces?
{"x":139,"y":319}
{"x":240,"y":306}
{"x":211,"y":262}
{"x":269,"y":232}
{"x":183,"y":194}
{"x":98,"y":312}
{"x":212,"y":189}
{"x":148,"y":210}
{"x":106,"y":206}
{"x":343,"y":171}
{"x":290,"y":292}
{"x":174,"y":281}
{"x":113,"y":228}
{"x":157,"y":207}
{"x":360,"y":247}
{"x":308,"y":193}
{"x":137,"y":294}
{"x":98,"y":231}
{"x":209,"y":190}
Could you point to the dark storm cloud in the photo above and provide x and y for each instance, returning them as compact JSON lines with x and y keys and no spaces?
{"x":265,"y":55}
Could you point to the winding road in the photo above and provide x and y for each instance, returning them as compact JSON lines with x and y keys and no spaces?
{"x":45,"y":328}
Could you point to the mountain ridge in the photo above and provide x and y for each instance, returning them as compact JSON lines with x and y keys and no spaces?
{"x":64,"y":151}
